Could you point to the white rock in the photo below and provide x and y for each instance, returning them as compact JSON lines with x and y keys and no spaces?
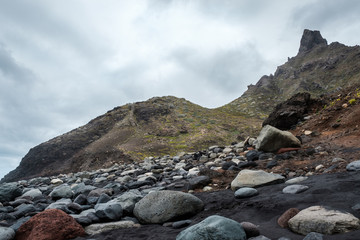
{"x":296,"y":180}
{"x":56,"y":181}
{"x":321,"y":220}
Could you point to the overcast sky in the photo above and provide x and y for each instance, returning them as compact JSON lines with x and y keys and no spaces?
{"x":63,"y":63}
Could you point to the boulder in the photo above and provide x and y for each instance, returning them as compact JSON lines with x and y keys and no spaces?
{"x":109,"y":211}
{"x":6,"y":233}
{"x":128,"y":200}
{"x":287,"y":114}
{"x":353,"y":166}
{"x":162,"y":206}
{"x":294,"y":189}
{"x":50,"y":224}
{"x":9,"y":191}
{"x":246,"y":192}
{"x":32,"y":194}
{"x":103,"y":227}
{"x":63,"y":191}
{"x":255,"y":178}
{"x":321,"y":220}
{"x":199,"y":182}
{"x":272,"y":139}
{"x":214,"y":228}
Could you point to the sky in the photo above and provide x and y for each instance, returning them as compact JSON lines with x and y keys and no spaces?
{"x":63,"y":63}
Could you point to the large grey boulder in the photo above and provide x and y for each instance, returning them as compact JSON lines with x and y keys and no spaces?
{"x":162,"y":206}
{"x":321,"y":220}
{"x":272,"y":139}
{"x":214,"y":228}
{"x":255,"y":178}
{"x":6,"y":233}
{"x":9,"y":191}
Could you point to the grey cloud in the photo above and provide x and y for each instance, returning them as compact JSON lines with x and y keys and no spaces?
{"x":327,"y":14}
{"x":229,"y":70}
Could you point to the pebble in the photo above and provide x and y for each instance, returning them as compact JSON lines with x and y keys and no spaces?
{"x":294,"y":189}
{"x":246,"y":192}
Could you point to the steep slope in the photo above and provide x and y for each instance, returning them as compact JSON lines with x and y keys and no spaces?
{"x":159,"y":126}
{"x":318,"y":68}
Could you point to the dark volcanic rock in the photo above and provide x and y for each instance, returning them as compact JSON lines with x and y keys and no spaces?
{"x":311,"y":39}
{"x":287,"y":114}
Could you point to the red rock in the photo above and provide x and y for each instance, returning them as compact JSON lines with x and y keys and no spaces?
{"x":286,"y":216}
{"x":282,"y":150}
{"x":51,"y":224}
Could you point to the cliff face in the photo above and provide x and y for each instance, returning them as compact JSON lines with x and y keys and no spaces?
{"x":318,"y":68}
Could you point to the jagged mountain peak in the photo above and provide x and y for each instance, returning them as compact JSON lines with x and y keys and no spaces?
{"x":310,"y":39}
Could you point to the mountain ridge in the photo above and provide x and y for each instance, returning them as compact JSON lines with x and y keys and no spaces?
{"x":169,"y":125}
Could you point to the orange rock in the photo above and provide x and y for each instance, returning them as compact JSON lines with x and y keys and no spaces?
{"x":51,"y":224}
{"x":282,"y":150}
{"x":286,"y":216}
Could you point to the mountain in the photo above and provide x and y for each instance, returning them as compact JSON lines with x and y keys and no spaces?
{"x":169,"y":125}
{"x":159,"y":126}
{"x":318,"y":68}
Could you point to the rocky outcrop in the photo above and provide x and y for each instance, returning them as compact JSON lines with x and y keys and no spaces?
{"x":319,"y":68}
{"x":289,"y":113}
{"x":310,"y":39}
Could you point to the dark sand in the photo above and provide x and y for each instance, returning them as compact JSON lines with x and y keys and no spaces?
{"x":339,"y":191}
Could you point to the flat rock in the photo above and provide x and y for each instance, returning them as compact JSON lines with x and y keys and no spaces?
{"x":321,"y":220}
{"x":162,"y":206}
{"x":246,"y":192}
{"x":50,"y":224}
{"x":214,"y":228}
{"x":255,"y":178}
{"x":294,"y":189}
{"x":353,"y":166}
{"x":272,"y":139}
{"x":103,"y":227}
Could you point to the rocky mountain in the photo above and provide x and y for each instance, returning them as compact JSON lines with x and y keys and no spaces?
{"x":318,"y":68}
{"x":159,"y":126}
{"x":169,"y":125}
